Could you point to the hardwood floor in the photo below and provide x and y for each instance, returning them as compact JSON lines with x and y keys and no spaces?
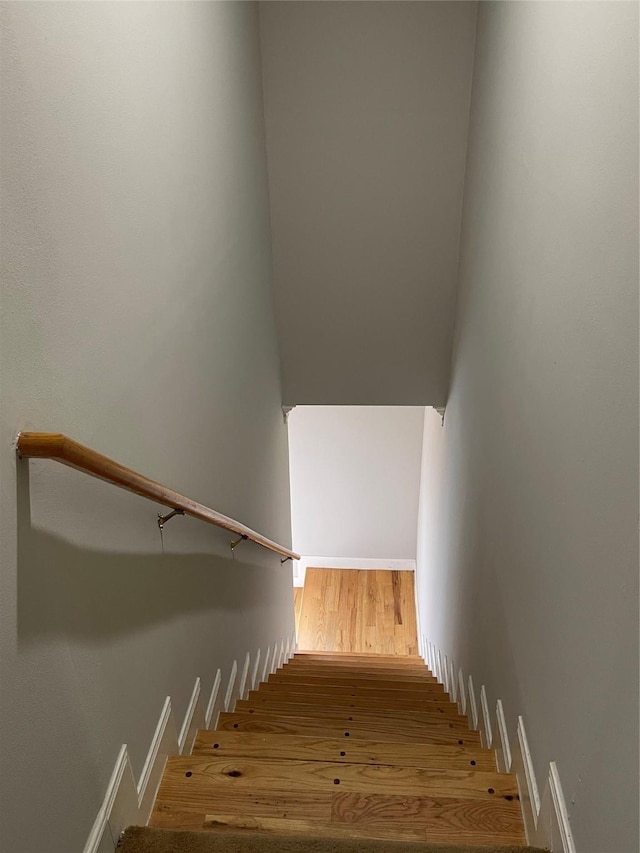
{"x":354,"y":610}
{"x":344,"y":746}
{"x":297,"y":606}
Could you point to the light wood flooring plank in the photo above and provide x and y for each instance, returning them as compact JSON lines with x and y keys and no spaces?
{"x":287,"y":826}
{"x":303,"y":670}
{"x":297,"y":606}
{"x":176,"y":797}
{"x":353,"y":679}
{"x":260,"y":745}
{"x":207,"y":774}
{"x":356,"y":697}
{"x":446,"y":820}
{"x":362,"y":712}
{"x":326,"y":726}
{"x":352,"y":610}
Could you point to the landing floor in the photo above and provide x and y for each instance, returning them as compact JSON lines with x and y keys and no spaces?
{"x":355,"y":610}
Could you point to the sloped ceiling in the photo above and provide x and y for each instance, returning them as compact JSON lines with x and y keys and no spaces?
{"x":366,"y":112}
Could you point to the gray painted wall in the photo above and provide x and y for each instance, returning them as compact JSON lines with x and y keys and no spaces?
{"x":366,"y":109}
{"x":528,"y":571}
{"x":137,"y":318}
{"x":355,"y":479}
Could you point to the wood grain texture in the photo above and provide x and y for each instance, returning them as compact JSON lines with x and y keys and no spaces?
{"x":443,"y":821}
{"x":365,"y":749}
{"x":446,"y":820}
{"x":175,"y":796}
{"x":259,"y":745}
{"x":353,"y":610}
{"x":290,"y":826}
{"x":360,"y":712}
{"x":357,"y":698}
{"x":322,"y":664}
{"x":329,"y":726}
{"x":297,"y":606}
{"x":293,"y":687}
{"x":309,"y":675}
{"x":350,"y":657}
{"x":209,"y":773}
{"x":50,"y":445}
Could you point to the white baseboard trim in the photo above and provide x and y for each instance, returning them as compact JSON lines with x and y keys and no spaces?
{"x":164,"y":743}
{"x":553,"y":822}
{"x":501,"y":740}
{"x":229,"y":696}
{"x":194,"y":719}
{"x":274,"y":658}
{"x":243,"y":690}
{"x":266,"y":670}
{"x":254,"y":674}
{"x":486,"y":731}
{"x":124,"y":806}
{"x":522,"y":766}
{"x":462,"y":696}
{"x":214,"y":705}
{"x":127,"y":803}
{"x":100,"y":829}
{"x":453,"y":684}
{"x":473,"y":705}
{"x":315,"y":561}
{"x":546,"y":820}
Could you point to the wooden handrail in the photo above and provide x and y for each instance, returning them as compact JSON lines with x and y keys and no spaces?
{"x":52,"y":445}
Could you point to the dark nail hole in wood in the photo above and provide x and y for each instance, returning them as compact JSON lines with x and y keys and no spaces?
{"x":473,"y":764}
{"x":188,"y":773}
{"x":491,"y":790}
{"x":216,"y":745}
{"x":460,"y":742}
{"x":509,"y":797}
{"x":235,"y":725}
{"x":336,"y":781}
{"x":346,"y":734}
{"x":251,"y":710}
{"x":343,"y":753}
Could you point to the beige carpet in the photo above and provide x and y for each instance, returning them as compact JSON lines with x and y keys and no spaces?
{"x":142,"y":839}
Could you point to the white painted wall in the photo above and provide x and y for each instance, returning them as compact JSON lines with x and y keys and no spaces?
{"x":528,"y":547}
{"x":366,"y":108}
{"x":355,"y":476}
{"x":137,"y":318}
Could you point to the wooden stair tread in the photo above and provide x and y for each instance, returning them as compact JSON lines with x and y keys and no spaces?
{"x":310,"y":676}
{"x":366,"y":666}
{"x":356,"y":657}
{"x":340,"y":814}
{"x":429,"y":705}
{"x":344,"y":746}
{"x":366,"y":691}
{"x":360,"y":657}
{"x":356,"y":713}
{"x":264,"y":745}
{"x":332,"y":727}
{"x":207,"y":773}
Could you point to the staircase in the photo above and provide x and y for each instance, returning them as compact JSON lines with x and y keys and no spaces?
{"x":342,"y":746}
